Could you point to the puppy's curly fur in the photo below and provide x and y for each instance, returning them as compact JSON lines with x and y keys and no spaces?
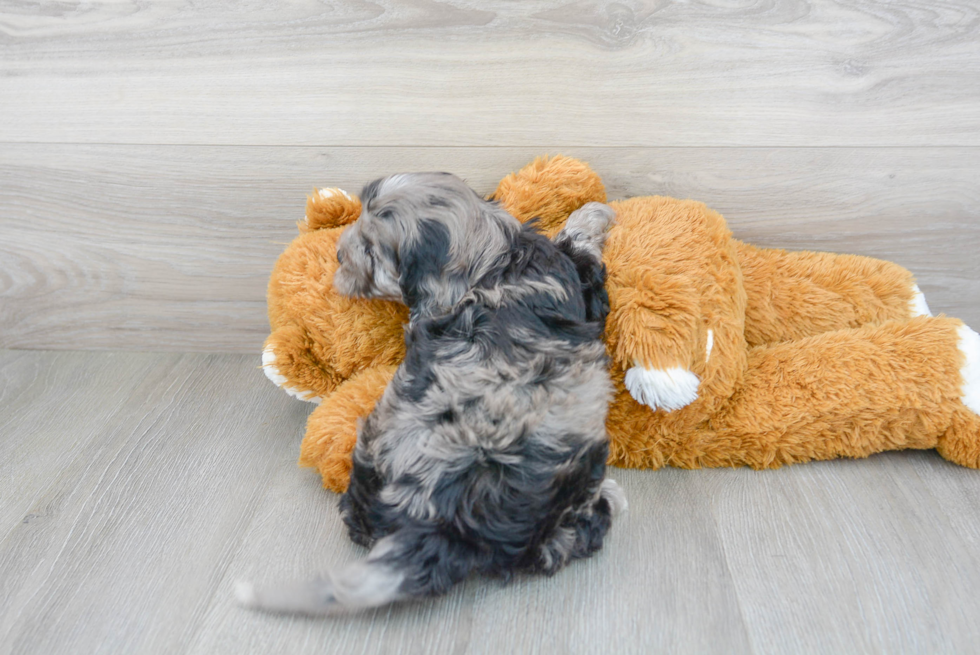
{"x":488,"y":450}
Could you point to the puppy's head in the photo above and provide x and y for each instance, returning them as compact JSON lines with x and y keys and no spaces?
{"x":422,"y":239}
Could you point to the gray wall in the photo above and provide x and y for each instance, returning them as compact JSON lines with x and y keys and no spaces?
{"x":154,"y":160}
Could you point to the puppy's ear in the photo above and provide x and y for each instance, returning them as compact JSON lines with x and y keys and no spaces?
{"x":423,"y":260}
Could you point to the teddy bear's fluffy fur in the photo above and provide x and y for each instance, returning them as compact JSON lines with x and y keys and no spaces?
{"x":722,"y":354}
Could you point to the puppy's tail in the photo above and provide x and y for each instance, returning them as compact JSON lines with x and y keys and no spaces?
{"x":409,"y":563}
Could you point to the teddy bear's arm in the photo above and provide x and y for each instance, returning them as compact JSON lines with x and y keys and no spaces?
{"x":654,"y":335}
{"x":676,"y":297}
{"x":296,"y":367}
{"x":331,"y":430}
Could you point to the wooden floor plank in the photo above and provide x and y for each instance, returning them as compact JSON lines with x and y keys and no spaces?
{"x":849,"y":557}
{"x":170,"y":248}
{"x":471,"y":73}
{"x":644,"y":592}
{"x":660,"y":585}
{"x":297,"y":533}
{"x":160,"y":480}
{"x":125,"y":543}
{"x":36,"y":447}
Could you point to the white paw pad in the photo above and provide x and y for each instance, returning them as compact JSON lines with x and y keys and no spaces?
{"x":918,"y":303}
{"x":668,"y":389}
{"x":970,"y":347}
{"x":278,"y":379}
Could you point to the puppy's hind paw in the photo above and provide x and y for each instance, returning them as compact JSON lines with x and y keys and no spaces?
{"x":670,"y":389}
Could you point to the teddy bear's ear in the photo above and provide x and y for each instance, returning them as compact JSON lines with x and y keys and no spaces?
{"x":549,"y":189}
{"x":326,"y":208}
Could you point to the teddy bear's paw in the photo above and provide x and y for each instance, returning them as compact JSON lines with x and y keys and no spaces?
{"x":280,"y":380}
{"x":668,"y":389}
{"x":588,"y":225}
{"x":970,"y":372}
{"x":918,"y":302}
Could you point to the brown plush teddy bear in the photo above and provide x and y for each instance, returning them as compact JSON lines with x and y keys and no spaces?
{"x":722,"y":354}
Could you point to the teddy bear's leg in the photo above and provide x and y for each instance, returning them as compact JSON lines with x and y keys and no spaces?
{"x":331,"y":429}
{"x":851,"y":393}
{"x":961,"y":442}
{"x":792,"y":295}
{"x":290,"y":361}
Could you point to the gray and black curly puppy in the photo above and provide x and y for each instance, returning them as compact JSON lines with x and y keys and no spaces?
{"x":487,"y":452}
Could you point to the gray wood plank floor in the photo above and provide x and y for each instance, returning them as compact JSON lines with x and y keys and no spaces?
{"x":136,"y":488}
